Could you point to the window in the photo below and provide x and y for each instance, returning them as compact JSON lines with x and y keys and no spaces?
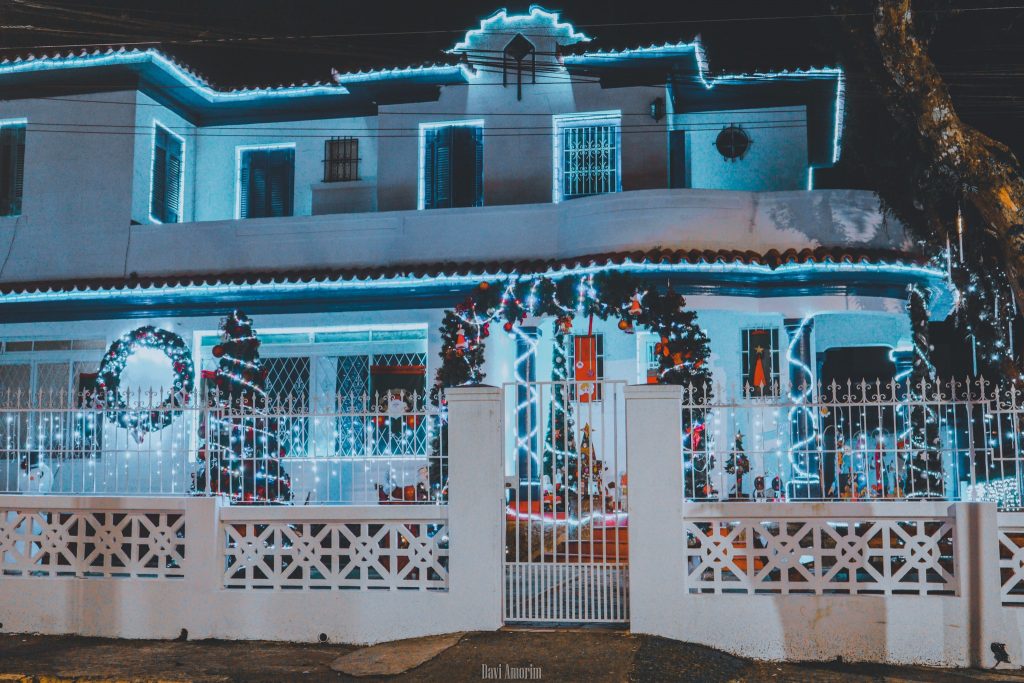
{"x":50,"y":377}
{"x":760,"y":362}
{"x":587,"y":155}
{"x":649,"y":361}
{"x":732,"y":143}
{"x":341,"y":159}
{"x":266,"y":181}
{"x":311,"y":374}
{"x":585,"y":356}
{"x":167,"y":176}
{"x":12,"y":167}
{"x":452,"y":163}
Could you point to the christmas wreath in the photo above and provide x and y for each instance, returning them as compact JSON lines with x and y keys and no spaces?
{"x":141,"y":419}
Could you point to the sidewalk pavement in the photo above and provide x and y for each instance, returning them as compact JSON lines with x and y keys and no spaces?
{"x":597,"y":655}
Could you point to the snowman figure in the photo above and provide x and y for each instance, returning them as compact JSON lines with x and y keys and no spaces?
{"x":36,"y":476}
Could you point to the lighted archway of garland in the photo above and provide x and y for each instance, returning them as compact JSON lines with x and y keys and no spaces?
{"x":148,"y":419}
{"x":683,"y":349}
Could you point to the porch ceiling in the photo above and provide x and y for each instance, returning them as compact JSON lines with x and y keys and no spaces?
{"x":821,"y":271}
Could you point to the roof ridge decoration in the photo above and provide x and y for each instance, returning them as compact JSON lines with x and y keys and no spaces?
{"x":425,"y":69}
{"x":189,"y":79}
{"x":534,"y":19}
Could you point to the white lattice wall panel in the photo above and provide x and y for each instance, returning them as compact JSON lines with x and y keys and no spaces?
{"x":343,"y":555}
{"x":1011,"y":564}
{"x":821,"y":556}
{"x":42,"y":543}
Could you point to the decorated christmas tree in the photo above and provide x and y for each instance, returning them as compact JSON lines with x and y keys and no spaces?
{"x":561,"y":459}
{"x":463,"y":331}
{"x":925,"y":477}
{"x":239,"y":442}
{"x":738,"y":464}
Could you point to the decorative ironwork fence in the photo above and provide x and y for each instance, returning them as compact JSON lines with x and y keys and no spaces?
{"x":353,"y":450}
{"x":943,"y":440}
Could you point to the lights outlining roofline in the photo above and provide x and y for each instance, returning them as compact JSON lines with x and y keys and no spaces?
{"x":703,"y":69}
{"x":502,"y":19}
{"x":241,"y":149}
{"x":404,"y":72}
{"x":938,"y":276}
{"x":421,"y":181}
{"x":181,"y":173}
{"x":187,"y":78}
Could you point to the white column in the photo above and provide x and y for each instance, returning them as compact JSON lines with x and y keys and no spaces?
{"x":656,"y":545}
{"x":204,"y":568}
{"x":476,"y":489}
{"x":977,"y":553}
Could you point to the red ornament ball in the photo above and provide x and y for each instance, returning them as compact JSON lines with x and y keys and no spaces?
{"x":218,"y":351}
{"x":484,"y":286}
{"x":508,"y":326}
{"x":624,"y":324}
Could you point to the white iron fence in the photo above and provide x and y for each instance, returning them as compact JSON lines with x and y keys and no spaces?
{"x":566,"y":515}
{"x":388,"y":449}
{"x":948,"y":440}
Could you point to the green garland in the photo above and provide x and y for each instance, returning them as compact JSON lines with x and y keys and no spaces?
{"x":683,"y":348}
{"x":145,"y":419}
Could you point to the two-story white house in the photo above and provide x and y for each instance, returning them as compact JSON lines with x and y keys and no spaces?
{"x":345,"y":217}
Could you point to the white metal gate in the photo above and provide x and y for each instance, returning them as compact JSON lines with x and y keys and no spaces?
{"x":566,"y":518}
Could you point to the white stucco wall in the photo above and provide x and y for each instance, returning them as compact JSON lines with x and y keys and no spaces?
{"x":776,"y":159}
{"x":77,"y":186}
{"x":518,"y":143}
{"x":217,"y":168}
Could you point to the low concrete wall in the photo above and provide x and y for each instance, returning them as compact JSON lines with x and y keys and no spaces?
{"x":908,"y":583}
{"x":134,"y":567}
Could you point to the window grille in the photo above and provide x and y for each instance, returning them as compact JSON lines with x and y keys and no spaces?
{"x":341,"y":372}
{"x":760,"y":344}
{"x":50,"y":385}
{"x":341,"y":159}
{"x":589,"y":159}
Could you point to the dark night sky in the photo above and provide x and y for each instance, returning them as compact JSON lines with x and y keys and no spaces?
{"x":981,"y":52}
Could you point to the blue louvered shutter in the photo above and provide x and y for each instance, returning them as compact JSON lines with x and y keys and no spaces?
{"x":174,"y":175}
{"x":466,"y":172}
{"x":158,"y":196}
{"x":267,"y":182}
{"x":437,"y":165}
{"x":165,"y":203}
{"x":12,"y":169}
{"x":453,"y":163}
{"x":280,"y":182}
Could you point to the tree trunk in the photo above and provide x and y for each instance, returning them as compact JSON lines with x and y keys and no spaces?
{"x":989,"y":176}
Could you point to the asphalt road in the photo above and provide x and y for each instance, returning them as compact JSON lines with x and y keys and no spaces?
{"x":591,"y":655}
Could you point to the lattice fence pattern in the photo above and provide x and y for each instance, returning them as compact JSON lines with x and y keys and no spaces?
{"x":821,"y":556}
{"x":92,"y":544}
{"x":1011,"y":564}
{"x":349,"y":555}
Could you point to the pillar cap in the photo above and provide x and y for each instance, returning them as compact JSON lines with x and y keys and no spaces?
{"x":666,"y":391}
{"x":474,"y":392}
